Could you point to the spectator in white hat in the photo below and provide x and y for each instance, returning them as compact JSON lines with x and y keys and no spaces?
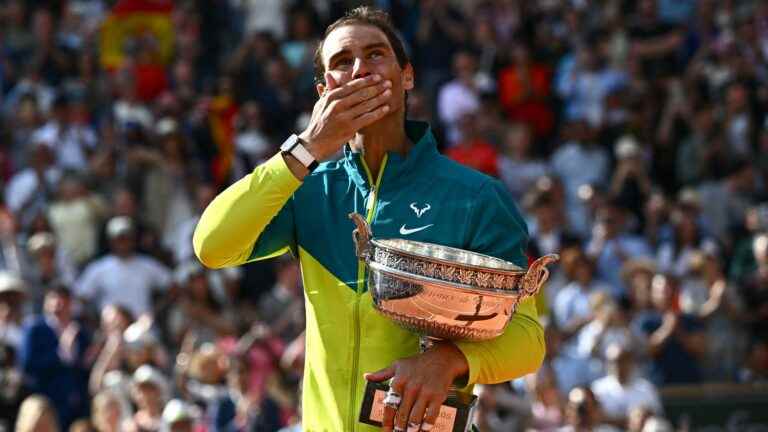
{"x":179,"y":416}
{"x":631,"y":182}
{"x":108,"y":411}
{"x":149,"y":392}
{"x":124,"y":277}
{"x":12,"y":296}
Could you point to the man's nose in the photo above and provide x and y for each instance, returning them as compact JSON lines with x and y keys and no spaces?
{"x":360,"y":69}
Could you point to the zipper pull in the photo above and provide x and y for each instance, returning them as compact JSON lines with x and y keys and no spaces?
{"x":370,"y":201}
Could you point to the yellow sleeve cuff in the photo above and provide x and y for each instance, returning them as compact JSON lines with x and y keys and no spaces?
{"x":517,"y":352}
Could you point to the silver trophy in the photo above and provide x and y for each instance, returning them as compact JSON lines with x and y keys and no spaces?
{"x":441,"y":292}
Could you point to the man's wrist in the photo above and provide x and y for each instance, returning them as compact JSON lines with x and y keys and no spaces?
{"x":457,"y":362}
{"x":310,"y":145}
{"x":299,"y":155}
{"x":297,"y":168}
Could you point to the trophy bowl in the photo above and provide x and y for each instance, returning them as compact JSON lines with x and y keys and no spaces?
{"x":440,"y":292}
{"x":443,"y":292}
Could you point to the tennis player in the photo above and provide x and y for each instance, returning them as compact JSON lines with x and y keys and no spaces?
{"x":391,"y":172}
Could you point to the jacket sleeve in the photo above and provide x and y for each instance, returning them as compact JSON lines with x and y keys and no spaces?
{"x":496,"y":228}
{"x":252,"y":219}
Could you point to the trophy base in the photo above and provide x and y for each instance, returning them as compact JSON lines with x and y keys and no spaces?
{"x":455,"y":413}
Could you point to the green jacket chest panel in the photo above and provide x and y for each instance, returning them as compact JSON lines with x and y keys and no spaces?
{"x":424,"y":197}
{"x":430,"y":208}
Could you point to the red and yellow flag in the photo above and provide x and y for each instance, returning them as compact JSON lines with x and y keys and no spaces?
{"x":137,"y":19}
{"x":221,"y":119}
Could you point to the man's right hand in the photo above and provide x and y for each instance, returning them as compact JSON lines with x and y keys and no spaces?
{"x":342,"y":110}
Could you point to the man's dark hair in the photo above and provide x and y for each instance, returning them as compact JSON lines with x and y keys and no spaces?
{"x":60,"y":289}
{"x":364,"y":15}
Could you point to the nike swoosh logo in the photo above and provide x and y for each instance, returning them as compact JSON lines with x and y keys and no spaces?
{"x":406,"y":231}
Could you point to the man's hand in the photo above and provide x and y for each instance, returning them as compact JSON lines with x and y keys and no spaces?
{"x":343,"y":110}
{"x":422,"y":381}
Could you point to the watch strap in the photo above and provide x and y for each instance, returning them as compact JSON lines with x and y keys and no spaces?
{"x":301,"y":153}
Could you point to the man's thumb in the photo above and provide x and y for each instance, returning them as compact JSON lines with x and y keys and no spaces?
{"x":380,"y":375}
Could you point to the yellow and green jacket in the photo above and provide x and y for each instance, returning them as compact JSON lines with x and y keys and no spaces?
{"x":423,"y":196}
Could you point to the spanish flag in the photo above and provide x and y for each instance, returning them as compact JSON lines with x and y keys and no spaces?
{"x":137,"y":19}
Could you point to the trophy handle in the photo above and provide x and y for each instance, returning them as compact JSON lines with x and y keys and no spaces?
{"x":537,"y":274}
{"x":362,"y":237}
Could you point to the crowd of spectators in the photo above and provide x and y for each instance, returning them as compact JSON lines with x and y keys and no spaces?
{"x":633,"y":135}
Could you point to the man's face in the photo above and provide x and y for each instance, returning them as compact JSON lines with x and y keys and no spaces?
{"x":357,"y":50}
{"x":58,"y":305}
{"x":124,"y":244}
{"x":661,"y":292}
{"x":546,"y":215}
{"x":10,"y":304}
{"x":464,"y":66}
{"x":185,"y":425}
{"x":148,"y":394}
{"x":611,"y":220}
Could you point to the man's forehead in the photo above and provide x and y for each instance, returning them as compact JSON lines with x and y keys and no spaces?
{"x":351,"y":36}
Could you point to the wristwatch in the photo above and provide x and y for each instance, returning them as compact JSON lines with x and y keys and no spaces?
{"x":294,"y":146}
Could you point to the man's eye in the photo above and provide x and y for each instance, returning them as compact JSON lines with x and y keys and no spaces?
{"x":344,"y":62}
{"x":375,"y":54}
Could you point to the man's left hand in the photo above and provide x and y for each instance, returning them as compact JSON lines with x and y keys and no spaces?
{"x":423,"y":382}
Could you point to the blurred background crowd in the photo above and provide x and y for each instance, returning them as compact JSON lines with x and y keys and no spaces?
{"x":633,"y":135}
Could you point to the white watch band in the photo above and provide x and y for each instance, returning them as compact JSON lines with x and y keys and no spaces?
{"x":302,"y":154}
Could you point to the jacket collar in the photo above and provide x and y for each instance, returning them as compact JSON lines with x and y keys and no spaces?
{"x":397,"y":167}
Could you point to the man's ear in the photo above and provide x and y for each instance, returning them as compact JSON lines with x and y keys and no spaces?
{"x":320,"y":87}
{"x":408,"y":82}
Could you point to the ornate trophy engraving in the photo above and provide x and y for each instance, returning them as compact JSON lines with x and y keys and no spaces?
{"x":441,"y":292}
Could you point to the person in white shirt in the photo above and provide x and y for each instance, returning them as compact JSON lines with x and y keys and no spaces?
{"x":610,"y":327}
{"x":72,"y":142}
{"x":459,"y":96}
{"x":75,"y":216}
{"x":518,"y":168}
{"x":612,"y":244}
{"x":123,"y":277}
{"x":30,"y":190}
{"x":572,"y":309}
{"x":568,"y":163}
{"x":622,"y":389}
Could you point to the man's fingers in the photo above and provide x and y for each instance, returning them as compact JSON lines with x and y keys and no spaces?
{"x":330,"y":83}
{"x":417,"y":414}
{"x":365,"y":94}
{"x":369,"y":104}
{"x":380,"y":375}
{"x":430,"y":415}
{"x":352,"y":86}
{"x":404,"y":410}
{"x":369,"y":117}
{"x":388,"y":420}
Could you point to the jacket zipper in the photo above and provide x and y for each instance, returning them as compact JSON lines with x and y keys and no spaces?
{"x":361,"y":275}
